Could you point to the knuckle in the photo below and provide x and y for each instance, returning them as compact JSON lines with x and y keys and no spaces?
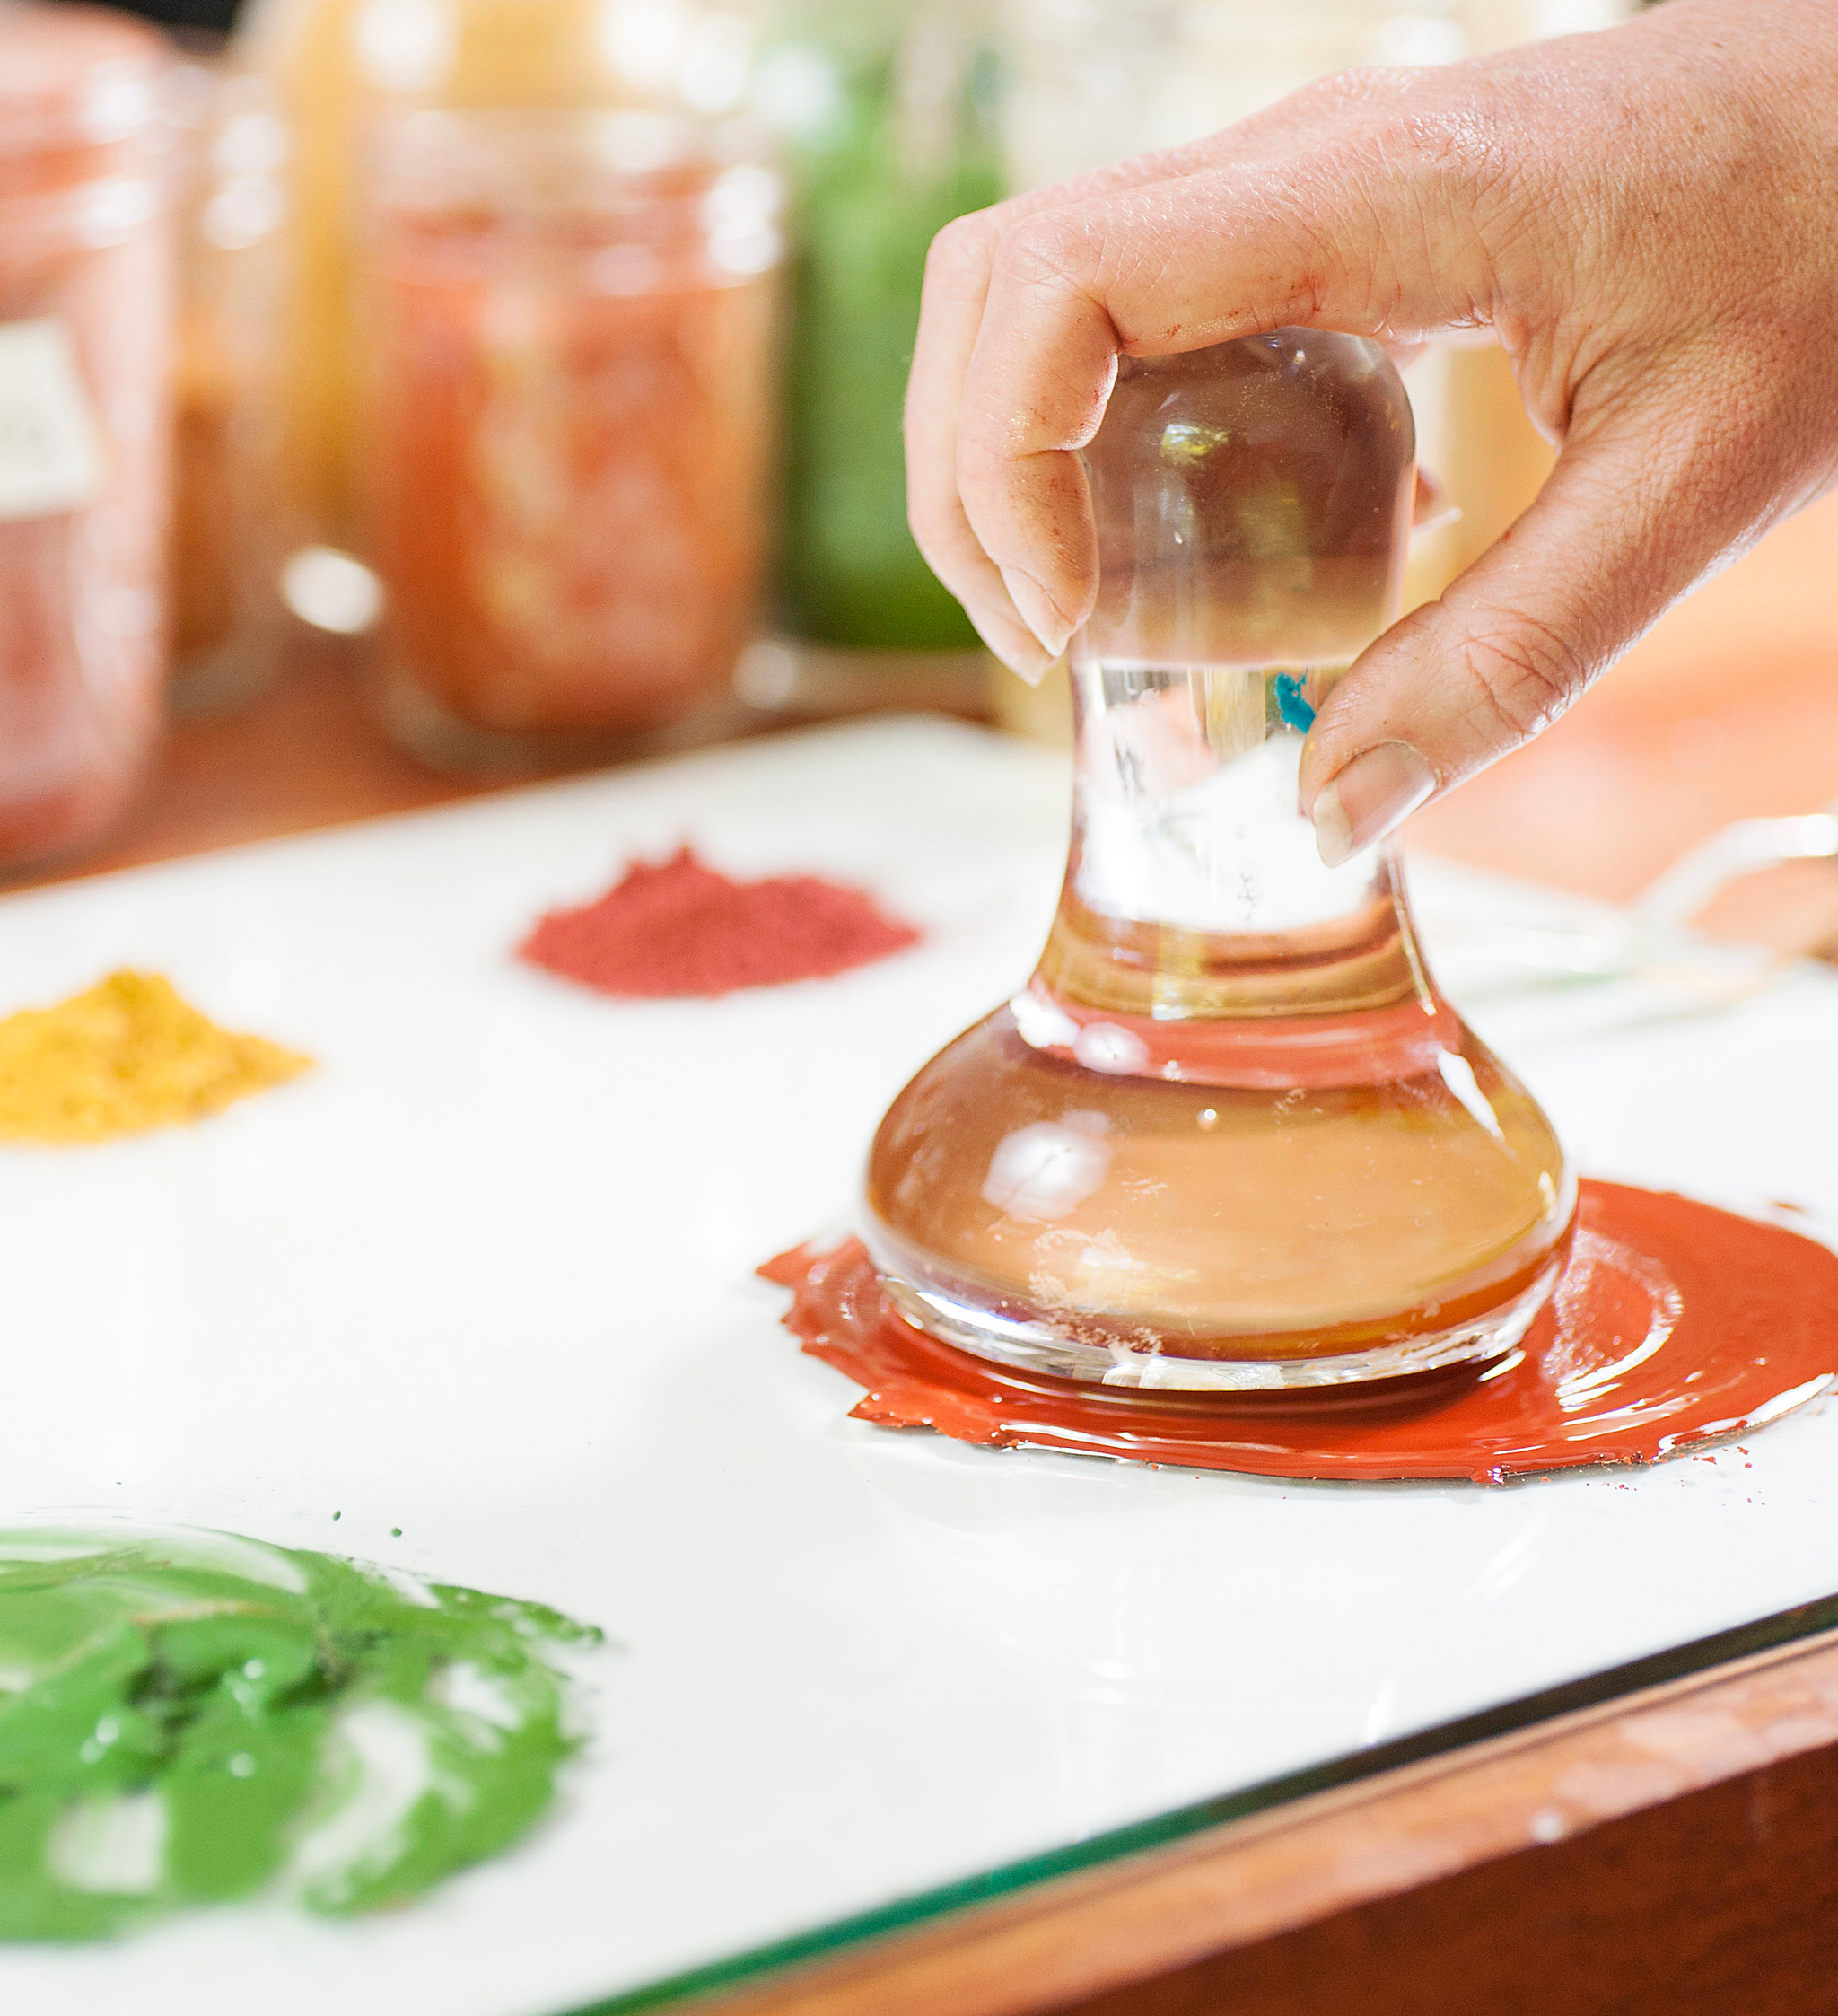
{"x":1043,"y":253}
{"x":1452,"y":159}
{"x":1343,"y":90}
{"x":1442,"y":140}
{"x":958,"y":256}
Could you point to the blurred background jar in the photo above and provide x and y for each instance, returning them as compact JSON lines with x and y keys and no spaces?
{"x":1095,"y":80}
{"x":887,"y":112}
{"x":231,"y":531}
{"x":335,"y":66}
{"x":571,"y":320}
{"x":86,"y":293}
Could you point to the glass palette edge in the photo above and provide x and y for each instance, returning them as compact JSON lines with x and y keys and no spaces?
{"x":1798,"y":1625}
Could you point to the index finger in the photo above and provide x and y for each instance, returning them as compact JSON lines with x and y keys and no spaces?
{"x":1369,"y":233}
{"x":956,"y":292}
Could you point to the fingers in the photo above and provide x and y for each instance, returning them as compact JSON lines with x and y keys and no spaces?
{"x":1431,"y":507}
{"x":1634,"y":515}
{"x":1370,"y":235}
{"x":957,"y":277}
{"x":1020,"y":615}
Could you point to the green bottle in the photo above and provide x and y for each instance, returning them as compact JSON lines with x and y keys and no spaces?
{"x":888,"y":113}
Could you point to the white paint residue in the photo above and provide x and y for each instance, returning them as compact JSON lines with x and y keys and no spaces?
{"x":469,"y":1692}
{"x":411,"y":1588}
{"x":1040,"y":1172}
{"x":114,"y":1848}
{"x":1109,"y":1047}
{"x":394,"y":1770}
{"x":1043,"y":1024}
{"x":1458,"y":1075}
{"x":1180,"y":829}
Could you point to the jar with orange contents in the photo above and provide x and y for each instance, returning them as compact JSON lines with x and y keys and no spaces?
{"x":85,"y":307}
{"x":570,"y":323}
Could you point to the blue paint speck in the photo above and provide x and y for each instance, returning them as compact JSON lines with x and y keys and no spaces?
{"x":1293,"y":704}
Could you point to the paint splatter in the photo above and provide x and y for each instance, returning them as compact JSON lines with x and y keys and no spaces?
{"x":1292,"y":701}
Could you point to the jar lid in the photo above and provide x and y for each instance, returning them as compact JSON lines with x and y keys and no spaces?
{"x":75,"y":75}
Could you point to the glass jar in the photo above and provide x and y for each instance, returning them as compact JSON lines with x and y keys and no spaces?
{"x":229,"y":532}
{"x":335,"y":66}
{"x":570,"y":319}
{"x":86,"y":284}
{"x":1230,"y":1135}
{"x":888,"y":114}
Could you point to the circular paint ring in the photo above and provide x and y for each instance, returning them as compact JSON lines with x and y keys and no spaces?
{"x":1676,"y":1324}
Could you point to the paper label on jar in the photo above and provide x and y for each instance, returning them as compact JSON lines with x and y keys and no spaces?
{"x":50,"y":447}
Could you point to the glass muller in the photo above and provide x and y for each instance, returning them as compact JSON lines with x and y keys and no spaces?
{"x":1229,"y":1136}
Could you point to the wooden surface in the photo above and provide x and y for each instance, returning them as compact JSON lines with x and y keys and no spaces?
{"x":306,"y":754}
{"x":1679,"y":1852}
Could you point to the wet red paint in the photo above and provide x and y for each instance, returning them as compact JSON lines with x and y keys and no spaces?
{"x":677,"y":927}
{"x":1675,"y":1325}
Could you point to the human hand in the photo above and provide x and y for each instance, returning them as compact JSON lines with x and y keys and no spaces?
{"x":1643,"y":217}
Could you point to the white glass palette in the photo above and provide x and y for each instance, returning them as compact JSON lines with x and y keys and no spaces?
{"x":485,"y":1276}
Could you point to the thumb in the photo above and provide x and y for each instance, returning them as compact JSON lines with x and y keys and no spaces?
{"x":1636,"y":512}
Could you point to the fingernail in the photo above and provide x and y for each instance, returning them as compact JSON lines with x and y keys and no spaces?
{"x":1370,"y":798}
{"x":1036,"y":610}
{"x":1015,"y":648}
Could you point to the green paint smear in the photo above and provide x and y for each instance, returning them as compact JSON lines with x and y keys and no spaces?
{"x":193,"y":1718}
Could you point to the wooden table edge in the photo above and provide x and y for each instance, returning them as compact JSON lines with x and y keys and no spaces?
{"x":1129,"y":1924}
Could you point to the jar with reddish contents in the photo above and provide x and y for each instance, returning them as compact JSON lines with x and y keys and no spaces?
{"x":571,"y":323}
{"x":85,"y":309}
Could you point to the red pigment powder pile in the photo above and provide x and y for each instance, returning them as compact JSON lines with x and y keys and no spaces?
{"x":680,"y":927}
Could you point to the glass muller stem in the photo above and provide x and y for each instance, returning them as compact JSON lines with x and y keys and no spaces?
{"x":1228,"y":1136}
{"x":1194,"y":888}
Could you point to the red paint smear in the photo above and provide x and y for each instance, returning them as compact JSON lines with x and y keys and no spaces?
{"x":1754,"y":1313}
{"x":680,"y":927}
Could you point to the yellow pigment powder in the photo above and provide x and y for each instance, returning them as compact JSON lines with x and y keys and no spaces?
{"x":128,"y":1055}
